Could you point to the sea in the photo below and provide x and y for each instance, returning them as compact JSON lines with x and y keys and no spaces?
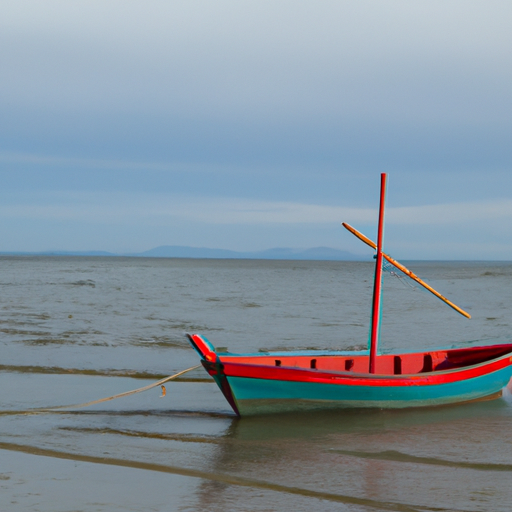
{"x":78,"y":329}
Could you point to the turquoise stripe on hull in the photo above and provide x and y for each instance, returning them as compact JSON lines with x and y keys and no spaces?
{"x":256,"y":396}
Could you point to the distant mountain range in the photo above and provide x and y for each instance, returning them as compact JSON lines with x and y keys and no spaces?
{"x":178,"y":251}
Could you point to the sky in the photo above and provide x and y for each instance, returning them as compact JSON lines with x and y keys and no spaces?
{"x":127,"y":125}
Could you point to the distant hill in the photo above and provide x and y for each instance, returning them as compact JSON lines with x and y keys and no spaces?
{"x":179,"y":251}
{"x":280,"y":253}
{"x":58,"y":253}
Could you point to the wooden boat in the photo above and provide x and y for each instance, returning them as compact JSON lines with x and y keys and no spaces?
{"x":307,"y":380}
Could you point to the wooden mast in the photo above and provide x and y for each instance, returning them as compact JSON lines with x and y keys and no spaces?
{"x":376,"y":307}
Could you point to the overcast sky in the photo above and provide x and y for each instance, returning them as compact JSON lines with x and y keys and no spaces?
{"x":127,"y":125}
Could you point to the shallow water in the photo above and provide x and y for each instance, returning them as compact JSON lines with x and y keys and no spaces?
{"x":78,"y":329}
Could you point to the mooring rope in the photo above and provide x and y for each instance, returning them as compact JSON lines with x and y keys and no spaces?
{"x":113,"y":397}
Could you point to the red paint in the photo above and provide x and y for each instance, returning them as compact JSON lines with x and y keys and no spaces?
{"x":202,"y":347}
{"x":363,"y":379}
{"x":412,"y":363}
{"x":448,"y":366}
{"x":374,"y":340}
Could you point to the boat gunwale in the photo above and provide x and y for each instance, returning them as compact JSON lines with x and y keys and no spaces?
{"x":334,"y":375}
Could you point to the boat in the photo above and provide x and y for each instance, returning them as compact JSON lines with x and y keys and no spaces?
{"x":274,"y":382}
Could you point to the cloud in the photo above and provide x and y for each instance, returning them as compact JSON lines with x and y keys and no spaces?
{"x":157,"y":208}
{"x":88,"y":163}
{"x":353,"y":84}
{"x":450,"y":214}
{"x":143,"y":208}
{"x":258,"y":113}
{"x":418,"y":62}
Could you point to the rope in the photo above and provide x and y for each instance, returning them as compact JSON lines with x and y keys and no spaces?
{"x":113,"y":397}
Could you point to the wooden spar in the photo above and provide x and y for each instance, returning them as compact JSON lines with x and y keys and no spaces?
{"x":374,"y":340}
{"x":406,"y":271}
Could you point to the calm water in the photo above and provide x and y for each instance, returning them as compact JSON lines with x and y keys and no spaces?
{"x":78,"y":329}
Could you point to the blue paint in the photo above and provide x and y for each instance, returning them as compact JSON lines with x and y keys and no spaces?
{"x":247,"y":389}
